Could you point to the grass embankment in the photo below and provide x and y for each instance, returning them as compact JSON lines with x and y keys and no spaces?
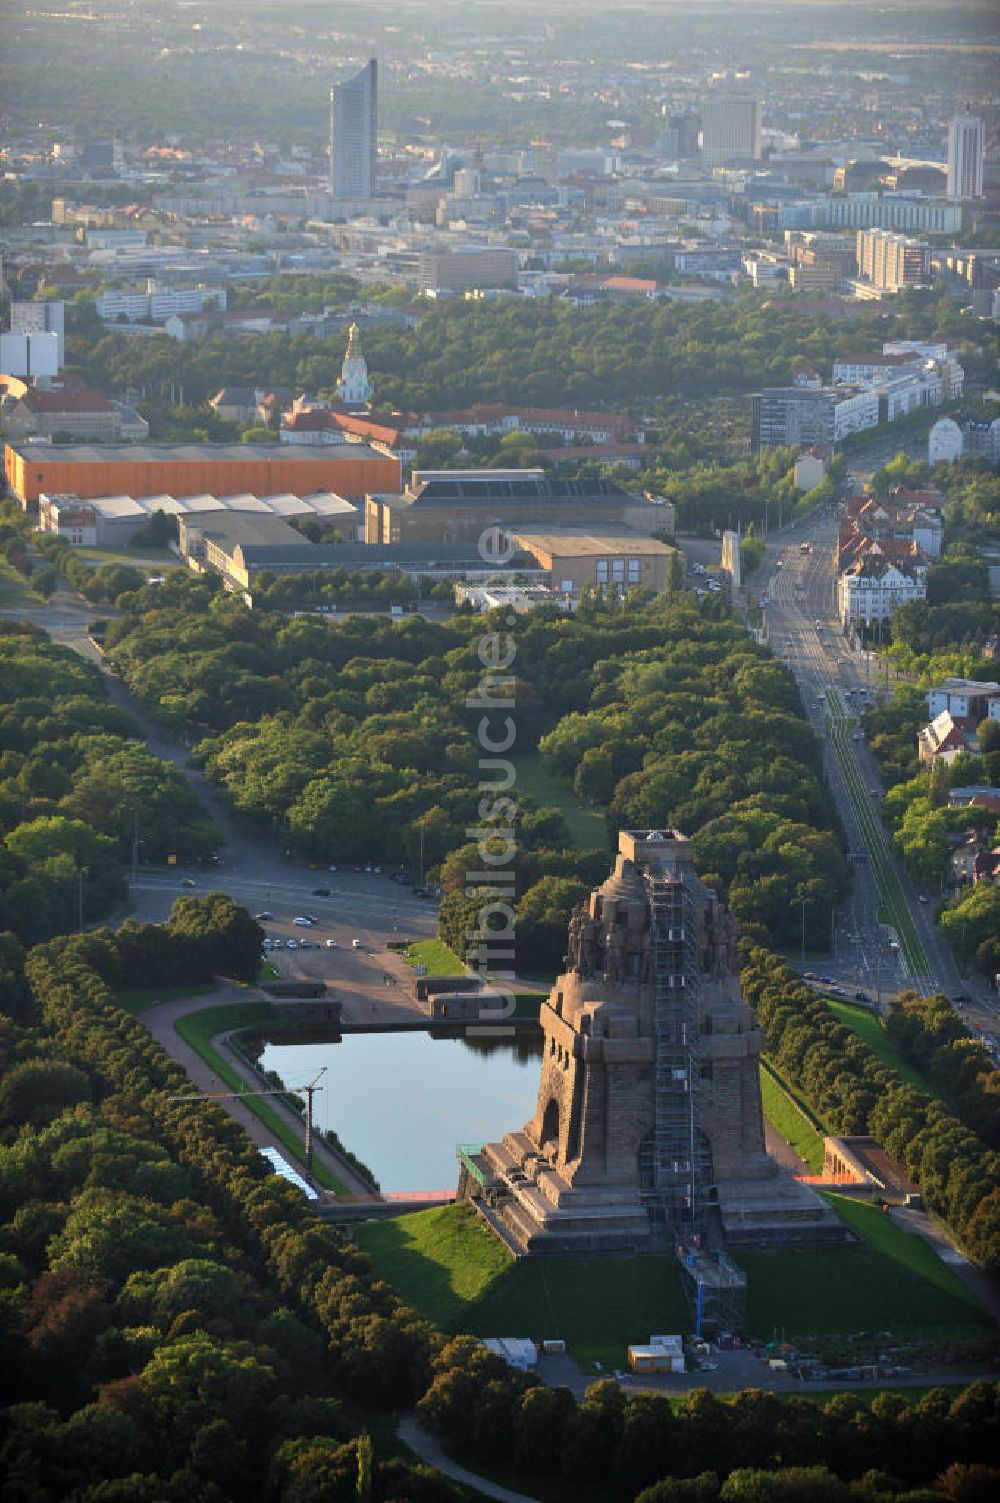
{"x":14,"y":587}
{"x":787,"y":1118}
{"x":436,"y":956}
{"x":867,"y":1026}
{"x":880,"y":854}
{"x":198,"y":1029}
{"x":890,"y":1280}
{"x":451,"y":1268}
{"x":586,"y":827}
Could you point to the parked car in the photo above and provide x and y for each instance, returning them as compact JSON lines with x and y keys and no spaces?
{"x":292,"y":944}
{"x":356,"y":944}
{"x":321,"y":892}
{"x":331,"y":944}
{"x":263,"y":918}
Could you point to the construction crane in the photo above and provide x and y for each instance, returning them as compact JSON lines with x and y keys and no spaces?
{"x":308,"y":1091}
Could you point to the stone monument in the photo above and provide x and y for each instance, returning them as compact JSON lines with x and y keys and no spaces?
{"x":648,"y":1126}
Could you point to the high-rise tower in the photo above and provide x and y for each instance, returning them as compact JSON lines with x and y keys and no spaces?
{"x":354,"y":135}
{"x":730,"y":128}
{"x":965,"y":157}
{"x":649,"y":1109}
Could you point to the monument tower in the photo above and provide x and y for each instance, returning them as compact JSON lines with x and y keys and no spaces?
{"x":649,"y":1121}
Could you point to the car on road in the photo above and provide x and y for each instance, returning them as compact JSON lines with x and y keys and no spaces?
{"x":356,"y":944}
{"x":331,"y":944}
{"x":304,"y":921}
{"x":264,"y":918}
{"x":922,"y":898}
{"x":331,"y":868}
{"x":321,"y":892}
{"x":187,"y":882}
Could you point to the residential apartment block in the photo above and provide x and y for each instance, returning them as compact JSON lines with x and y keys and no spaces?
{"x":811,"y":415}
{"x":891,"y":261}
{"x":157,"y":304}
{"x":874,"y":587}
{"x":965,"y":697}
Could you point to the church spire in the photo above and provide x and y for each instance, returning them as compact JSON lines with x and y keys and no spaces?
{"x":354,"y":387}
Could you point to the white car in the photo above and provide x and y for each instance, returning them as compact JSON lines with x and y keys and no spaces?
{"x":304,"y":923}
{"x":292,"y":944}
{"x":331,"y":944}
{"x":356,"y":944}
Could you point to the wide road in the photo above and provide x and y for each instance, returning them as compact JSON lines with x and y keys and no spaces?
{"x":885,"y":938}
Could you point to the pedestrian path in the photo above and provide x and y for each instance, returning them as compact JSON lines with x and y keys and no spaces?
{"x":423,"y":1445}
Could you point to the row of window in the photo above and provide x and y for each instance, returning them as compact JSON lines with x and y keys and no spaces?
{"x":618,"y":570}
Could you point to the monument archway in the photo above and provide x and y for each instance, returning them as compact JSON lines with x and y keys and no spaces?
{"x":550,"y":1126}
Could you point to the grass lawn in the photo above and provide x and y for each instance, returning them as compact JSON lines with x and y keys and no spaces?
{"x":586,"y":826}
{"x":451,"y":1268}
{"x":199,"y":1028}
{"x":136,"y":999}
{"x":436,"y":956}
{"x":786,"y":1117}
{"x":157,"y":559}
{"x":891,"y":1280}
{"x":867,"y":1026}
{"x":448,"y":1265}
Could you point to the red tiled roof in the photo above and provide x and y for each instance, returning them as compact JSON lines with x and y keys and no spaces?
{"x":80,"y":400}
{"x":630,"y":284}
{"x":316,"y":420}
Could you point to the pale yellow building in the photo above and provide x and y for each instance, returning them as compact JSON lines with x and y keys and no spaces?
{"x":574,"y":558}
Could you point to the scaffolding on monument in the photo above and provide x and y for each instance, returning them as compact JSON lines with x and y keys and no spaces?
{"x":715,"y":1290}
{"x":678,"y":1190}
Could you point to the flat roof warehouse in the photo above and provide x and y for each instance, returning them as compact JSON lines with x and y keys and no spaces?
{"x":91,"y":471}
